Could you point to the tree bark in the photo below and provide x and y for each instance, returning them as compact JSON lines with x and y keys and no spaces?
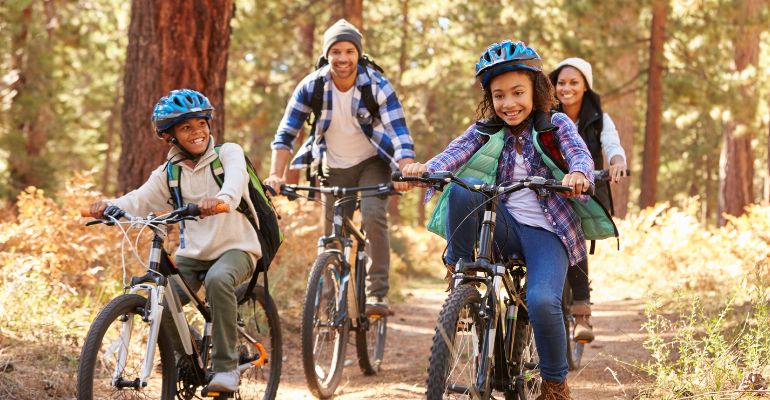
{"x":173,"y":44}
{"x":622,"y":107}
{"x":651,"y":157}
{"x":353,"y":12}
{"x":736,"y":175}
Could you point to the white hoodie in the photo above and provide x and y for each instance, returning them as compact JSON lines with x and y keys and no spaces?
{"x":208,"y":238}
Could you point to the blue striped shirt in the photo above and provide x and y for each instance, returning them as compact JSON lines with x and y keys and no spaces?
{"x":389,"y":134}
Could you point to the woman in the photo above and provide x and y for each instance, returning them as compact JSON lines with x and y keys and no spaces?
{"x":544,"y":230}
{"x":573,"y":79}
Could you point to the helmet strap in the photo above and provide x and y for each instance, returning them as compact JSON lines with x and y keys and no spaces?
{"x":186,"y":153}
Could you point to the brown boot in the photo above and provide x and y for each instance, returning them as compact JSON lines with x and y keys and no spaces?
{"x":554,"y":391}
{"x":584,"y":331}
{"x":450,"y":270}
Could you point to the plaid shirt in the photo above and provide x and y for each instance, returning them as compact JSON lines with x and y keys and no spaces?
{"x":558,"y":210}
{"x":389,"y":135}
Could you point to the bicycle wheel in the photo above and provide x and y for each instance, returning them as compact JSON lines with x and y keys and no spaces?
{"x":526,"y":369}
{"x":112,"y":358}
{"x":324,"y":334}
{"x":455,"y":353}
{"x":259,"y":330}
{"x":574,"y":349}
{"x":370,"y":344}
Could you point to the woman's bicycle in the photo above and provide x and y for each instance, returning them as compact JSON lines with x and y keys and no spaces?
{"x":484,"y":341}
{"x":575,"y":346}
{"x":331,"y":309}
{"x":117,"y":357}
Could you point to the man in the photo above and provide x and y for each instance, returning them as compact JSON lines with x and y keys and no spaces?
{"x":355,"y":146}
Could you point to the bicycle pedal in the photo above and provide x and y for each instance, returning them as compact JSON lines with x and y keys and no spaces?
{"x":583,"y":341}
{"x":217,"y":395}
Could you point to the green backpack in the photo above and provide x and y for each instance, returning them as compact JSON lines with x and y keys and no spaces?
{"x":268,"y":231}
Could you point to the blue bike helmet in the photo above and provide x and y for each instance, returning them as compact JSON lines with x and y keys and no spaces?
{"x":506,"y":56}
{"x":178,"y":106}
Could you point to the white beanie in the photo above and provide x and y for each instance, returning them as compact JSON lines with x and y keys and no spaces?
{"x":581,"y":65}
{"x":342,"y":31}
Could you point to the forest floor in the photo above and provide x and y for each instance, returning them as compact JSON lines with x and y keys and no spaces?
{"x":607,"y":370}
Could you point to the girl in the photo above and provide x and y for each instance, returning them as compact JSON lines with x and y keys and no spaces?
{"x":544,"y":231}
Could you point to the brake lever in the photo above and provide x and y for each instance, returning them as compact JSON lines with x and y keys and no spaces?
{"x":95,"y":222}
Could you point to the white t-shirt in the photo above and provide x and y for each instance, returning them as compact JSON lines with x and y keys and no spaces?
{"x":523,"y":205}
{"x":346,"y":143}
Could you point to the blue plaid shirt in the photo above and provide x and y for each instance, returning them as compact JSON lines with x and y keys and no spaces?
{"x":388,"y":134}
{"x":558,"y":210}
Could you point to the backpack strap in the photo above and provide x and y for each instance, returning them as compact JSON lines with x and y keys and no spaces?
{"x":173,"y":180}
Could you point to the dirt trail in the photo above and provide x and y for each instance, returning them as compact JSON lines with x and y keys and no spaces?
{"x":605,"y":373}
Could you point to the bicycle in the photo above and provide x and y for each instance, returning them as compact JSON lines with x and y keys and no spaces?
{"x":330,"y":309}
{"x":117,"y":356}
{"x":483,"y":340}
{"x":576,"y":347}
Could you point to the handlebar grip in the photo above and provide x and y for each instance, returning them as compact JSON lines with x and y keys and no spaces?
{"x":591,"y":190}
{"x":221,"y":208}
{"x":395,"y":176}
{"x":86,"y":214}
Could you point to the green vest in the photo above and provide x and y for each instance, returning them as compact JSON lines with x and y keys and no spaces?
{"x":595,"y":219}
{"x":482,"y":165}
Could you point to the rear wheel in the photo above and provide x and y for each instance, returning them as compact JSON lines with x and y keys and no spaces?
{"x":455,"y":354}
{"x":259,"y":343}
{"x":324,"y":333}
{"x":112,"y":358}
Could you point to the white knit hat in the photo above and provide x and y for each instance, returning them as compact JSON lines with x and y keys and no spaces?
{"x":582,"y":65}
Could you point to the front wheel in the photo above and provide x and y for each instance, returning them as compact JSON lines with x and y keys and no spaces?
{"x":324,"y":330}
{"x":259,"y":344}
{"x":112,"y":358}
{"x":526,"y":368}
{"x":574,"y":348}
{"x":370,"y":344}
{"x":455,"y":354}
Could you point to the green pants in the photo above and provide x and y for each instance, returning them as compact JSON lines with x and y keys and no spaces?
{"x":223,"y":275}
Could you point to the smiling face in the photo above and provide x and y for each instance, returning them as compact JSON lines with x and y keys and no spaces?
{"x":512,"y":96}
{"x":193,"y":135}
{"x":343,"y":58}
{"x":570,"y":87}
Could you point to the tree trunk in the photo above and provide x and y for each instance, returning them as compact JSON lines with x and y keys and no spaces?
{"x":353,"y":12}
{"x":622,"y":108}
{"x":112,"y":121}
{"x":173,"y":44}
{"x":736,"y":175}
{"x":651,"y":157}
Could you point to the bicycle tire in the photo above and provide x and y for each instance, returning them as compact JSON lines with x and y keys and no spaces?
{"x":574,"y":349}
{"x":526,"y":368}
{"x":318,"y":327}
{"x":258,"y":316}
{"x":97,"y":382}
{"x":459,"y":314}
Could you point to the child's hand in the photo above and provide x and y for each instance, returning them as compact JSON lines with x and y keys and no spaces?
{"x":414,"y":169}
{"x":97,"y":209}
{"x":207,"y":206}
{"x":577,"y":181}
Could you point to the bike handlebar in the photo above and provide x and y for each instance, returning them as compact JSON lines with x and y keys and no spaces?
{"x":441,"y":178}
{"x":188,"y":210}
{"x":290,"y":191}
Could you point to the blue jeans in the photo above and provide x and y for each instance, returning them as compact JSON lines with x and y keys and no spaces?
{"x":546,"y":260}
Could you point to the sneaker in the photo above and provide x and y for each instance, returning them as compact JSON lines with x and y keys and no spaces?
{"x":225,"y":381}
{"x":376,"y":305}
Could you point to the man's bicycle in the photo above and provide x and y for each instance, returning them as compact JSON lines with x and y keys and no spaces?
{"x":484,"y":340}
{"x":331,"y":308}
{"x":117,"y":357}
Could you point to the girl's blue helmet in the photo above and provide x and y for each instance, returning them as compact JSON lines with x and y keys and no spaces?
{"x":179,"y":105}
{"x":506,"y":56}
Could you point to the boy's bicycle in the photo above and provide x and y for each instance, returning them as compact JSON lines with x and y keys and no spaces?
{"x":576,"y":347}
{"x":331,"y":309}
{"x":483,"y":340}
{"x":117,"y":357}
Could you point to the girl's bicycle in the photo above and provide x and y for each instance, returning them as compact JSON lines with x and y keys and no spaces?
{"x":331,"y":309}
{"x":483,"y":340}
{"x":117,"y":357}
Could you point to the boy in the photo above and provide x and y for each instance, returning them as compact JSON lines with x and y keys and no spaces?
{"x":227,"y":247}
